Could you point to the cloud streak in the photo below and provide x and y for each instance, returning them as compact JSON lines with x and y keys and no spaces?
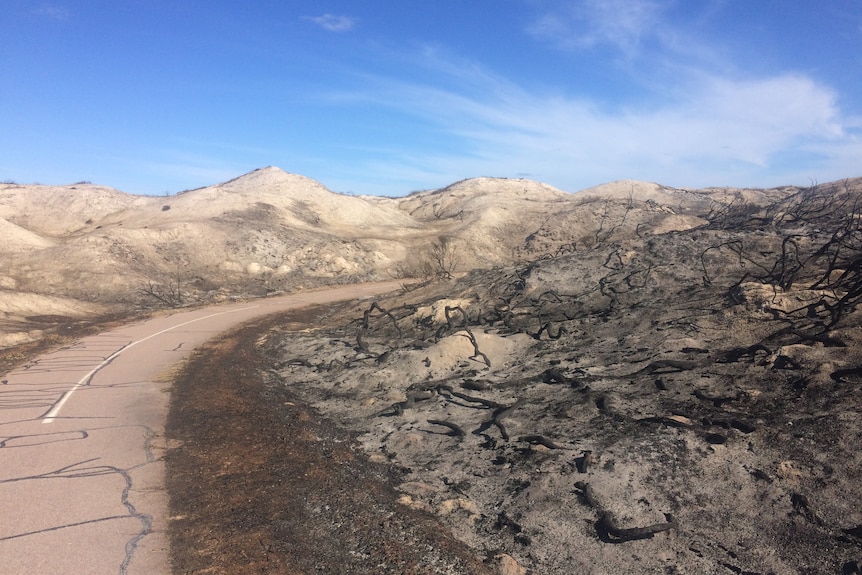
{"x":694,"y":117}
{"x":333,"y":22}
{"x":582,"y":24}
{"x":52,"y":11}
{"x":713,"y":130}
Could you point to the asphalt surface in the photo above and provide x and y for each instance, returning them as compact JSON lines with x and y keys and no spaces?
{"x":82,"y":441}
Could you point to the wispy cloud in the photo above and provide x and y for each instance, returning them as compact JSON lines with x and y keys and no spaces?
{"x":712,"y":130}
{"x":52,"y":11}
{"x":623,"y":24}
{"x":333,"y":22}
{"x":696,"y":116}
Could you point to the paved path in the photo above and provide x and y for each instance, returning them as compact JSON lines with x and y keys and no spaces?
{"x":82,"y":438}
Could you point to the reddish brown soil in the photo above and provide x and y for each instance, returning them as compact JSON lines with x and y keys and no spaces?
{"x":262,"y":484}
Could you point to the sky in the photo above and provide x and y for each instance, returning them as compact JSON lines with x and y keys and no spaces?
{"x":387,"y":97}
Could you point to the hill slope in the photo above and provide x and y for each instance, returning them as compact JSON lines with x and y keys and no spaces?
{"x":271,"y":231}
{"x":683,"y":402}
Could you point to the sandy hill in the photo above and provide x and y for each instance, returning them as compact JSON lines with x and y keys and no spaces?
{"x":270,"y":231}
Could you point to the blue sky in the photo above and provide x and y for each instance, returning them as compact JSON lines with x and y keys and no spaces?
{"x":393,"y":96}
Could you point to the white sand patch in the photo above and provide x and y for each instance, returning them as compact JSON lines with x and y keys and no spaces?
{"x":34,"y":304}
{"x":16,"y":238}
{"x":455,"y":352}
{"x":437,"y":310}
{"x":19,"y":338}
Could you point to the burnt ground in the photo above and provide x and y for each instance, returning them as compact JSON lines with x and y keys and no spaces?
{"x":685,"y":402}
{"x":261,"y":483}
{"x":618,"y":447}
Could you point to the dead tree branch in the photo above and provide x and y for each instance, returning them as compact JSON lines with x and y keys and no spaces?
{"x":608,"y":528}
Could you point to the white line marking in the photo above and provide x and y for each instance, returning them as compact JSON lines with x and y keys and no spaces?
{"x":52,"y":415}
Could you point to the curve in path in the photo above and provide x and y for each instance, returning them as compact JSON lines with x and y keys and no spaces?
{"x":82,"y":439}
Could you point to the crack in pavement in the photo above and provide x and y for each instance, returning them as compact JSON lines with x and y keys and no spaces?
{"x":7,"y":441}
{"x":59,"y":527}
{"x":81,"y":470}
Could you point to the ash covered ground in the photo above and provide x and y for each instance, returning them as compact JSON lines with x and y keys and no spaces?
{"x":678,"y":402}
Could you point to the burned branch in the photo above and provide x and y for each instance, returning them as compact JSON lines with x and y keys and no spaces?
{"x":607,"y":526}
{"x":541,"y":440}
{"x":497,"y":419}
{"x":546,"y":328}
{"x":454,"y":429}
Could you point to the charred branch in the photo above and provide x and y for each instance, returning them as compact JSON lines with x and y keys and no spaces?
{"x":607,"y":527}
